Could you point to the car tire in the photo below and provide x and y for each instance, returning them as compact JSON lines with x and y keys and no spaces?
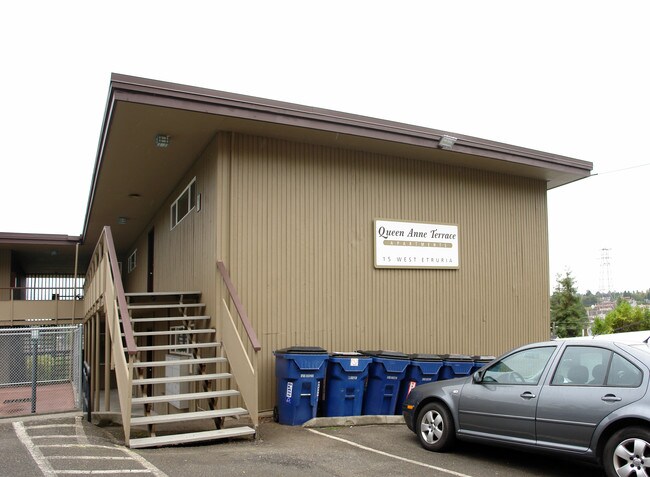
{"x":627,"y":452}
{"x":435,"y":428}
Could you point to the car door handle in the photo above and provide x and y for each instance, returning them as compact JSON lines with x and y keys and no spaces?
{"x":527,"y":395}
{"x":611,"y":398}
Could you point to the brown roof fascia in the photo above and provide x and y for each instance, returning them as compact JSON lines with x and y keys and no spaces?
{"x":191,"y":98}
{"x":38,"y":239}
{"x":166,"y":94}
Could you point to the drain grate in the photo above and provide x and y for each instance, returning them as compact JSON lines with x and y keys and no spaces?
{"x":13,"y":401}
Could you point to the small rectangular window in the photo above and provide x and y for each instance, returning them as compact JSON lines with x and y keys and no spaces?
{"x":184,"y":204}
{"x":131,"y":263}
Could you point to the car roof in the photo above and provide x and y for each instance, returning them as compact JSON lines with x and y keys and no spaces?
{"x":630,"y":337}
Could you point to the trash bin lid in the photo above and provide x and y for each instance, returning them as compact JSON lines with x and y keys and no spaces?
{"x":425,"y":357}
{"x":385,"y":354}
{"x":343,"y":354}
{"x":301,"y":350}
{"x":487,"y":359}
{"x":456,"y":357}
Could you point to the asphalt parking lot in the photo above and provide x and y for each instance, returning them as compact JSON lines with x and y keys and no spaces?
{"x":67,"y":445}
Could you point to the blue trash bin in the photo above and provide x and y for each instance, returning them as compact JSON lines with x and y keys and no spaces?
{"x":345,"y":383}
{"x":300,"y":371}
{"x":455,"y":366}
{"x":424,"y":368}
{"x":480,"y":361}
{"x":385,"y":373}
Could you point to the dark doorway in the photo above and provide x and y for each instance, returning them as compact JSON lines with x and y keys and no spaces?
{"x":150,"y":242}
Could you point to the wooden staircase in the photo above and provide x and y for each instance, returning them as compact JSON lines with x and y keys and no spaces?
{"x":181,"y":376}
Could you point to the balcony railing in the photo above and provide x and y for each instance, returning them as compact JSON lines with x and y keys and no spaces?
{"x":28,"y":306}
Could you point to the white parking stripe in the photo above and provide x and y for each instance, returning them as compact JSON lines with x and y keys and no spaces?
{"x":79,"y":430}
{"x":103,"y":472}
{"x":46,"y":468}
{"x":386,"y":454}
{"x":37,"y":455}
{"x":145,"y":463}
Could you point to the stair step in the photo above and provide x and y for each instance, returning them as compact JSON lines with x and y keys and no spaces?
{"x":187,"y":416}
{"x":147,"y":364}
{"x":173,"y":332}
{"x":191,"y":437}
{"x":176,"y":346}
{"x":165,"y":306}
{"x":169,"y":318}
{"x":181,"y":379}
{"x":184,"y":397}
{"x":156,"y":294}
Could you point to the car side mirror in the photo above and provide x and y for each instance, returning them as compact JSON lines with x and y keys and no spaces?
{"x":477,"y":377}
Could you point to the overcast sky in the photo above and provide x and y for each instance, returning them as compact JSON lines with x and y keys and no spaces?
{"x":567,"y":77}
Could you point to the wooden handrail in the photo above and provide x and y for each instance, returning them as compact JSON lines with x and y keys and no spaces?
{"x":252,"y":336}
{"x":131,"y":347}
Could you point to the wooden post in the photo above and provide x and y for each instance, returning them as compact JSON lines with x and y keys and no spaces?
{"x":107,"y":368}
{"x":96,"y":367}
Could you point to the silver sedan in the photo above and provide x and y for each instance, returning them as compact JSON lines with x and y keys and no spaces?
{"x":585,"y":398}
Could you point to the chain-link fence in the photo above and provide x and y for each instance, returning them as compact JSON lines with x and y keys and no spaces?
{"x":40,"y":369}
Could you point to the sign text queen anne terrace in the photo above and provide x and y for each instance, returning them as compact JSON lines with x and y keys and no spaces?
{"x":400,"y":244}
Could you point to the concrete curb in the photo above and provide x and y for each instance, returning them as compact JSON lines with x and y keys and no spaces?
{"x":353,"y":421}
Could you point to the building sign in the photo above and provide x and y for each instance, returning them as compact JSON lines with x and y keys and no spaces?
{"x":400,"y":244}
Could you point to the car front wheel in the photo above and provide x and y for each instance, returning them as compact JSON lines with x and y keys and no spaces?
{"x":627,"y":453}
{"x":435,"y":428}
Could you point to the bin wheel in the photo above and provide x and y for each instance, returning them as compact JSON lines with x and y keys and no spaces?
{"x":276,"y":414}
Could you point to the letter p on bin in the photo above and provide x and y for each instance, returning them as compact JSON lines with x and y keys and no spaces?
{"x":299,"y":372}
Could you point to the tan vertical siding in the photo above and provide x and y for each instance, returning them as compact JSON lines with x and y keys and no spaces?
{"x":301,"y":246}
{"x":136,"y":280}
{"x":294,"y":225}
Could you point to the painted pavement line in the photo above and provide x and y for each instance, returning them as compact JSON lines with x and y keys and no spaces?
{"x":87,"y":457}
{"x":79,"y":430}
{"x":103,"y":472}
{"x":49,"y":426}
{"x":47,"y":469}
{"x":393,"y":456}
{"x":35,"y":452}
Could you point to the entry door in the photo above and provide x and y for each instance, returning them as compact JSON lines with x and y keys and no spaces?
{"x":150,"y":255}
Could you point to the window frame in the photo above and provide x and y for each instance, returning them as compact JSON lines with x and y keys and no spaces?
{"x":174,"y":217}
{"x":606,"y":377}
{"x":552,"y":350}
{"x":132,"y":261}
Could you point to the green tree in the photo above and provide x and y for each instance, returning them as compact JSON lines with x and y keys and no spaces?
{"x":589,"y":299}
{"x":568,"y":316}
{"x":624,"y":317}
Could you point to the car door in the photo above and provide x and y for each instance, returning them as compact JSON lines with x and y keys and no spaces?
{"x":503,"y":404}
{"x":589,"y":383}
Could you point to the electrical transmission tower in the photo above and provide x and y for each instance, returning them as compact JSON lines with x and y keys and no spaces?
{"x":605,"y":280}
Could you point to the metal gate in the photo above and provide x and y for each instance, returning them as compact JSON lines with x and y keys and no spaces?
{"x":40,"y":369}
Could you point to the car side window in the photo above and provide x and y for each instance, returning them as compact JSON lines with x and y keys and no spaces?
{"x":622,"y":373}
{"x":523,"y":367}
{"x":581,"y":366}
{"x":592,"y":366}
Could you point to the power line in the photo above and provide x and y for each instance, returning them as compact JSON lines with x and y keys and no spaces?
{"x":621,"y":170}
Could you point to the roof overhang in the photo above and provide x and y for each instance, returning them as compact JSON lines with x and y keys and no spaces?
{"x":41,"y":253}
{"x":132,"y":177}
